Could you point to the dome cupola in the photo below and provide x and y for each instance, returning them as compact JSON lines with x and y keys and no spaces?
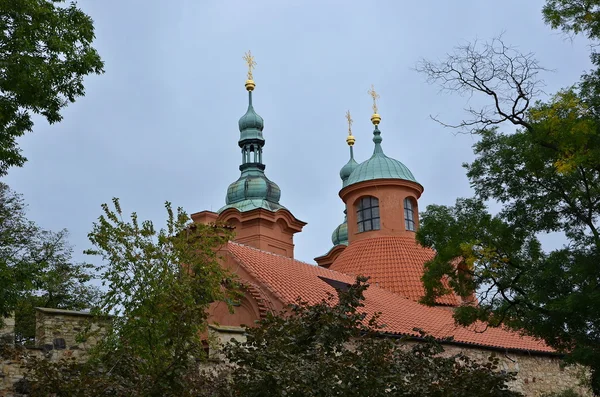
{"x":253,"y":189}
{"x":251,"y":124}
{"x":379,"y":166}
{"x":340,"y":234}
{"x":347,"y":169}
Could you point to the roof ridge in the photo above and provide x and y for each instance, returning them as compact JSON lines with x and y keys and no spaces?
{"x":272,"y":253}
{"x":293,"y":260}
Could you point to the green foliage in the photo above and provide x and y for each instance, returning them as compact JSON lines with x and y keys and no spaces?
{"x":70,"y":378}
{"x":67,"y":378}
{"x":334,"y":349}
{"x":547,"y":179}
{"x":59,"y":284}
{"x":580,"y":17}
{"x":36,"y":269}
{"x":566,"y":393}
{"x":160,"y":284}
{"x":327,"y":349}
{"x":18,"y":250}
{"x":567,"y":125}
{"x":574,"y":16}
{"x":45,"y":52}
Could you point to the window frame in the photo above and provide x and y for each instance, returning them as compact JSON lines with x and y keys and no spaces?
{"x":365,"y":219}
{"x":409,"y":215}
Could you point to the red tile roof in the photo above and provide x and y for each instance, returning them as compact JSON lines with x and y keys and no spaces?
{"x":289,"y":279}
{"x":392,"y":263}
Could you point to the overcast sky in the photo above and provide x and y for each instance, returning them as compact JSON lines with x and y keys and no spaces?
{"x":161,"y":123}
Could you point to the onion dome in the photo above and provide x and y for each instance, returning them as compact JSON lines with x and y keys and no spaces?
{"x":340,"y":234}
{"x":347,"y":169}
{"x":253,"y":189}
{"x":251,"y":124}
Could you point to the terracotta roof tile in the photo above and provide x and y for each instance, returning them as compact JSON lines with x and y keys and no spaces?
{"x":392,"y":263}
{"x":289,"y":279}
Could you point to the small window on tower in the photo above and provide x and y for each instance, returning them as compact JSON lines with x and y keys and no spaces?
{"x":368,"y":214}
{"x":409,"y":215}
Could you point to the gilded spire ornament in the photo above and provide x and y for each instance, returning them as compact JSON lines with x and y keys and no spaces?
{"x":375,"y":118}
{"x":350,"y":139}
{"x":251,"y":65}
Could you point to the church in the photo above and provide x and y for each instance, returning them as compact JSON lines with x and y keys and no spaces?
{"x":375,"y":239}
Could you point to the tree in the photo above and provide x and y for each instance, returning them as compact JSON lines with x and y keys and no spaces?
{"x":508,"y":78}
{"x":18,"y":262}
{"x":160,"y":284}
{"x":59,"y":284}
{"x":546,"y":178}
{"x":36,"y":269}
{"x":574,"y":16}
{"x":334,"y":349}
{"x":327,"y":349}
{"x":45,"y":52}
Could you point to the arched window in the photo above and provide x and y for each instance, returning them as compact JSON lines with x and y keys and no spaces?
{"x":409,"y":215}
{"x":368,"y":214}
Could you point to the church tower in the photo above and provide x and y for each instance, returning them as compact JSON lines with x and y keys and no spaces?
{"x":252,"y":205}
{"x":339,"y":237}
{"x":381,"y":197}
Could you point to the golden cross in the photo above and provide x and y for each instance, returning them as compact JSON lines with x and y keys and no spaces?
{"x":375,"y":97}
{"x":350,"y":121}
{"x":251,"y":64}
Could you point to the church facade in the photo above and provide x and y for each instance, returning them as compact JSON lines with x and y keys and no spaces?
{"x":375,"y":239}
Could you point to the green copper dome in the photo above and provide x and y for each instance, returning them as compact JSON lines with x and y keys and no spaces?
{"x":253,"y":189}
{"x":340,"y":234}
{"x":347,"y":169}
{"x":251,"y":124}
{"x":379,"y":166}
{"x":251,"y":120}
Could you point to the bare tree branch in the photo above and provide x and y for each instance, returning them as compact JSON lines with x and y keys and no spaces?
{"x":509,"y":78}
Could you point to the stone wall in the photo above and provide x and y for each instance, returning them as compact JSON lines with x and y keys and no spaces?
{"x":221,"y":335}
{"x":62,"y":329}
{"x":536,"y":374}
{"x":57,"y":336}
{"x":7,"y":330}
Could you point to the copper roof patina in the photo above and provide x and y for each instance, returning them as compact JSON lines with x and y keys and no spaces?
{"x":252,"y":190}
{"x":379,"y":166}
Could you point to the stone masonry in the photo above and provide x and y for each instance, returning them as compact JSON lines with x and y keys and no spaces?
{"x":536,"y":374}
{"x":57,"y":336}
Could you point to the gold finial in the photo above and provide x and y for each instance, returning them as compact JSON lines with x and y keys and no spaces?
{"x":375,"y":118}
{"x":350,"y":139}
{"x":251,"y":64}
